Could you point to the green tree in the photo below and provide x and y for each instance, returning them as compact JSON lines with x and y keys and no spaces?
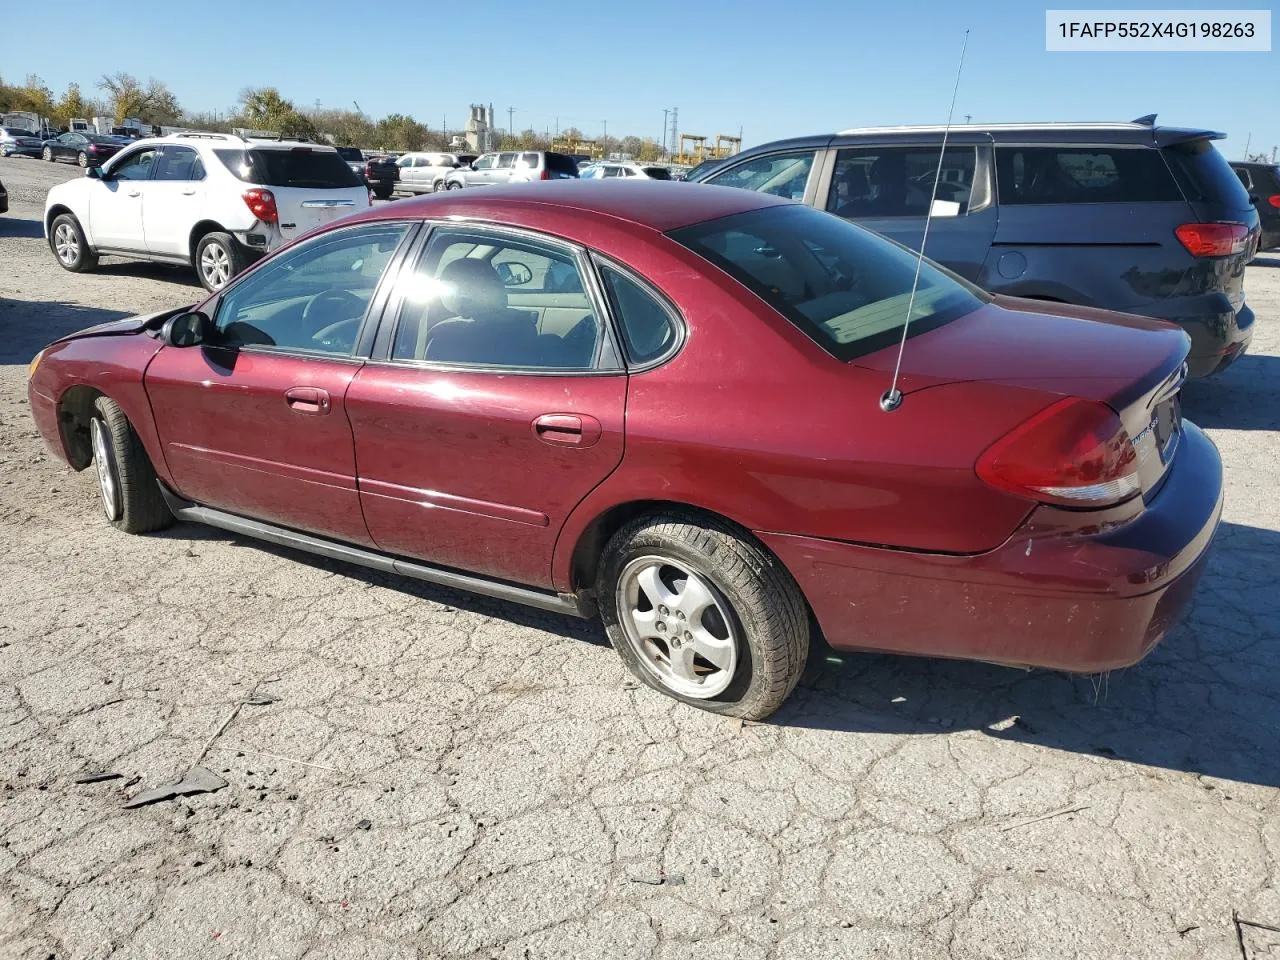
{"x":266,"y":109}
{"x":72,"y":104}
{"x":399,"y":131}
{"x":125,"y":95}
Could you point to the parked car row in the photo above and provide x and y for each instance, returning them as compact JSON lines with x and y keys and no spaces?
{"x":1134,"y":217}
{"x":1262,"y":180}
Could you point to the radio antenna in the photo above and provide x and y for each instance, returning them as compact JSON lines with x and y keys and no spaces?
{"x":892,"y":398}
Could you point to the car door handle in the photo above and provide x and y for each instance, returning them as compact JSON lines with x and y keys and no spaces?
{"x":567,"y":429}
{"x":310,"y":400}
{"x":134,"y":193}
{"x":188,"y":193}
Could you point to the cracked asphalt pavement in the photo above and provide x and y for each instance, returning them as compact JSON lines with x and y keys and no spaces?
{"x":421,"y":773}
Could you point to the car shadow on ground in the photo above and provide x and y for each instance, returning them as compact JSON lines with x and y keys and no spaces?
{"x":20,"y":227}
{"x":148,"y":270}
{"x":23,"y":339}
{"x":1242,"y":397}
{"x":1266,"y":259}
{"x":1206,"y":701}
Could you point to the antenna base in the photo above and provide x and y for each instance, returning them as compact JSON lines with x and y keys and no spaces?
{"x":891,"y":400}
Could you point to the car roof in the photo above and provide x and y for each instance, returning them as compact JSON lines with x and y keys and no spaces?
{"x":661,"y":205}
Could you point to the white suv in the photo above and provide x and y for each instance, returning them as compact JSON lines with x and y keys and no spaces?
{"x":209,"y":200}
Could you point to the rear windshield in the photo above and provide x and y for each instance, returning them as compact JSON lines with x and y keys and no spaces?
{"x":18,"y":132}
{"x":299,"y":167}
{"x":1205,"y":175}
{"x":658,"y":173}
{"x":560,"y":163}
{"x":350,"y":153}
{"x":845,"y":287}
{"x":1083,"y":175}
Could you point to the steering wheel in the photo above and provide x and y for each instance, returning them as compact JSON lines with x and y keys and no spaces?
{"x":341,"y":333}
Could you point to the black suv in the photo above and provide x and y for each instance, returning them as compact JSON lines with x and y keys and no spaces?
{"x":1262,"y":180}
{"x":1125,"y":216}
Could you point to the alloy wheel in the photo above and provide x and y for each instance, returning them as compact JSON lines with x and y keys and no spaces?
{"x":104,"y":461}
{"x":678,"y":625}
{"x":215,"y":265}
{"x":66,"y":244}
{"x":83,"y":159}
{"x":47,"y":154}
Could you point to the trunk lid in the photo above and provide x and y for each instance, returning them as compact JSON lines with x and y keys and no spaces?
{"x":1133,"y":364}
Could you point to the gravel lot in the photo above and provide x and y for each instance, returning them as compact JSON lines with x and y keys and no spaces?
{"x":437,"y":775}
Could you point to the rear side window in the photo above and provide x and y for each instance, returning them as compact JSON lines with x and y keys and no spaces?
{"x":301,"y":167}
{"x":1204,"y":175}
{"x":529,"y":158}
{"x":658,"y":173}
{"x":179,"y":163}
{"x":648,"y":328}
{"x":780,"y":174}
{"x":1026,"y":175}
{"x":898,"y":182}
{"x":845,"y":287}
{"x":560,"y":163}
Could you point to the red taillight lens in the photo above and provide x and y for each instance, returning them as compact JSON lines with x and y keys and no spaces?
{"x":1213,"y":239}
{"x":1074,"y":452}
{"x":545,"y":175}
{"x":262,"y":204}
{"x":1274,"y":199}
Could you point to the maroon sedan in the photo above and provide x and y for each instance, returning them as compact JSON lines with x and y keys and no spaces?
{"x":662,"y":401}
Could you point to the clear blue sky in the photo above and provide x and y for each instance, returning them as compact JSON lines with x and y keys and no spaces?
{"x":776,"y":68}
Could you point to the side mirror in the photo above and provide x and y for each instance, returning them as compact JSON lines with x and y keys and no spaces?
{"x":187,"y":330}
{"x":514,"y":274}
{"x":472,"y":165}
{"x":94,"y":173}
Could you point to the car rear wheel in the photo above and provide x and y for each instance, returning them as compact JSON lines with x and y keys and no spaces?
{"x":218,"y":259}
{"x":47,"y":154}
{"x":452,"y":185}
{"x":83,"y":159}
{"x":67,"y":240}
{"x":698,"y":611}
{"x":127,"y":482}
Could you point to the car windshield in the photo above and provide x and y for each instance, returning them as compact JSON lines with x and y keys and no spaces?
{"x":296,"y":167}
{"x":845,"y":287}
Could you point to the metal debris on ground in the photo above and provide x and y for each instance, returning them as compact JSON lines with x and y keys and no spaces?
{"x":260,"y":700}
{"x":364,"y":825}
{"x":1048,"y":816}
{"x":98,"y":777}
{"x":197,"y":780}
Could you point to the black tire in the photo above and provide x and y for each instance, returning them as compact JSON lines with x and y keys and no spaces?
{"x":768,"y":611}
{"x":72,"y":252}
{"x":452,"y":185}
{"x":382,"y":191}
{"x":233,"y":258}
{"x":137,"y":505}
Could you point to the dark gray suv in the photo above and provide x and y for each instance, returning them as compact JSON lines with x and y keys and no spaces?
{"x":1124,"y":216}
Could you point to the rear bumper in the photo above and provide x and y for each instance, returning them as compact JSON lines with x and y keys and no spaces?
{"x":1078,"y":601}
{"x":1219,"y":334}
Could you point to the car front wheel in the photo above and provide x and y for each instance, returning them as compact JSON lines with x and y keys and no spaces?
{"x":218,"y":259}
{"x":69,"y":245}
{"x":82,"y":159}
{"x":700,"y":612}
{"x":452,"y":185}
{"x":47,"y":154}
{"x":127,"y":483}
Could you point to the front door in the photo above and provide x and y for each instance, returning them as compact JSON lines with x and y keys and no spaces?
{"x":495,"y":408}
{"x":255,"y":422}
{"x":115,"y":207}
{"x":887,"y":189}
{"x":173,"y":202}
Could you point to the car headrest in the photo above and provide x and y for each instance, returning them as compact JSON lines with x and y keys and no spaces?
{"x":471,"y":287}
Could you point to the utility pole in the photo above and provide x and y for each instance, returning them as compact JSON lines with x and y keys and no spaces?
{"x":675,"y":126}
{"x":1248,"y":140}
{"x":968,"y":117}
{"x":665,"y":113}
{"x":511,"y":122}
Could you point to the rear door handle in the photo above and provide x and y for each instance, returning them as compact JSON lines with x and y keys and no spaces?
{"x":188,"y":193}
{"x":135,"y":193}
{"x":567,"y":429}
{"x":310,"y":400}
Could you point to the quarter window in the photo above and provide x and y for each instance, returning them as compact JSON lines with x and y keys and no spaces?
{"x":779,"y":174}
{"x":648,"y":328}
{"x":898,"y":182}
{"x":313,"y":298}
{"x":497,"y":301}
{"x":1026,"y":175}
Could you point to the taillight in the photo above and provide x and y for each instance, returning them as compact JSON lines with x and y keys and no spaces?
{"x":262,"y":204}
{"x":1075,"y":452}
{"x":1213,"y":239}
{"x":1274,"y":200}
{"x":545,"y":175}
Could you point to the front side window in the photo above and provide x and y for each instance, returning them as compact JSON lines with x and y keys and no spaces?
{"x":497,"y":301}
{"x":313,"y":298}
{"x":845,"y":287}
{"x":898,"y":182}
{"x":779,"y":174}
{"x":179,"y":163}
{"x":1026,"y":175}
{"x":485,"y":162}
{"x":135,"y":166}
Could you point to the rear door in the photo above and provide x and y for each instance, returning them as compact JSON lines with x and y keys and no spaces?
{"x":312,"y":186}
{"x":888,"y":188}
{"x":255,"y":421}
{"x":494,"y":404}
{"x":173,"y":202}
